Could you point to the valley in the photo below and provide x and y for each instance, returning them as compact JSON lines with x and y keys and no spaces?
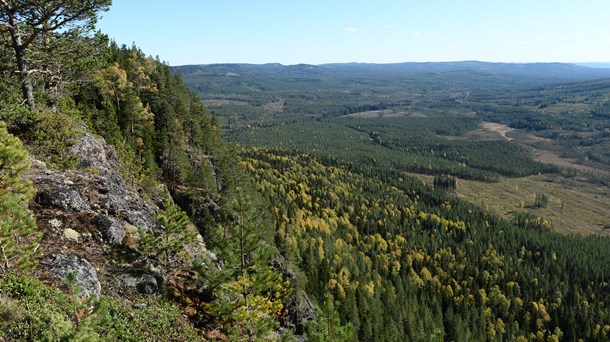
{"x":433,"y":201}
{"x":354,"y":110}
{"x":457,"y":190}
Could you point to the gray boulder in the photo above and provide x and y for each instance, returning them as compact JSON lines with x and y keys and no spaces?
{"x":62,"y":197}
{"x":85,"y":275}
{"x":112,"y":231}
{"x":138,"y":281}
{"x":94,"y":152}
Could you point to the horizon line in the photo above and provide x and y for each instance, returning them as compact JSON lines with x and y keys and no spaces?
{"x":586,"y":64}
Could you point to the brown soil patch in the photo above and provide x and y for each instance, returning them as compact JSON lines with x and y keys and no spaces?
{"x":497,"y":128}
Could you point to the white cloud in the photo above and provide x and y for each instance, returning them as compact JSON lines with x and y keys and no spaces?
{"x":391,"y":27}
{"x":421,"y":34}
{"x":351,"y":30}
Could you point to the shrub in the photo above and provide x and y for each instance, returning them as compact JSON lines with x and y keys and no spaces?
{"x":48,"y":135}
{"x":33,"y":311}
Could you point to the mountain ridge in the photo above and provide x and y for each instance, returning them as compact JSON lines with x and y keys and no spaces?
{"x":546,"y":70}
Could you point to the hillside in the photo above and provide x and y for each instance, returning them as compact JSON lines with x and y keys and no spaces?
{"x":243,"y":94}
{"x":125,"y":216}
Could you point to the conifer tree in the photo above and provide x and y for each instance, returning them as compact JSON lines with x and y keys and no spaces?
{"x":327,"y":325}
{"x":25,"y":21}
{"x":170,"y":236}
{"x":18,"y":232}
{"x":249,"y":293}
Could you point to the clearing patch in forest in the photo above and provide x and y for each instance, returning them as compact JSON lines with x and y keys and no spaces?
{"x":574,"y":207}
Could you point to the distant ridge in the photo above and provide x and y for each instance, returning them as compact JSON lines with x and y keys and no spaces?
{"x":542,"y":72}
{"x":603,"y":65}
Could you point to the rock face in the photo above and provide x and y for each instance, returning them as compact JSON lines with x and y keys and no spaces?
{"x":95,"y":153}
{"x":61,"y":196}
{"x":85,"y":275}
{"x":95,"y":191}
{"x":90,"y":219}
{"x":86,"y":212}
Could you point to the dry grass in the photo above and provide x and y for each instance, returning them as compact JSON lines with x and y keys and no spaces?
{"x":574,"y":206}
{"x":497,"y":128}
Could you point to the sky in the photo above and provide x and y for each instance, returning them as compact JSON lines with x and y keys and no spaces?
{"x":184,"y":32}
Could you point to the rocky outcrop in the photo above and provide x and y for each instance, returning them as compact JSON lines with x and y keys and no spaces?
{"x":95,"y":153}
{"x":62,"y":267}
{"x":85,"y":216}
{"x":95,"y":192}
{"x":60,"y":196}
{"x":91,"y":218}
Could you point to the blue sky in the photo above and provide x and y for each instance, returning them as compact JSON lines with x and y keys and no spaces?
{"x":376,"y":31}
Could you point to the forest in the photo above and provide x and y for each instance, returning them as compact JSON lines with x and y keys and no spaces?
{"x":211,"y":266}
{"x":334,"y":148}
{"x":289,"y":202}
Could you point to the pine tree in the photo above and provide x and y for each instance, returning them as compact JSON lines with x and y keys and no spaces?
{"x":19,"y":236}
{"x":170,"y":236}
{"x":327,"y":325}
{"x":249,"y":293}
{"x":26,"y":21}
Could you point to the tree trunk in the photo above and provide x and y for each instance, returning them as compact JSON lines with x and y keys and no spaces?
{"x":26,"y":84}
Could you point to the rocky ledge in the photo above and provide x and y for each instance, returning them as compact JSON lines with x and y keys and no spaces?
{"x":90,"y":220}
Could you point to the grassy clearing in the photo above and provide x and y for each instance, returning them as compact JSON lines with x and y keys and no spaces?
{"x":574,"y":207}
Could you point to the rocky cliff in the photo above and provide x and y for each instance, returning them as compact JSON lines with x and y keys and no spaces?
{"x":90,"y":219}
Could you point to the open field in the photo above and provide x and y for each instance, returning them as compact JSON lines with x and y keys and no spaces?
{"x":495,"y":131}
{"x":548,"y":157}
{"x":387,"y":113}
{"x":500,"y":129}
{"x":574,"y":207}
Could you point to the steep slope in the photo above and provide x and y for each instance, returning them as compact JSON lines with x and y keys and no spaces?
{"x":131,"y":177}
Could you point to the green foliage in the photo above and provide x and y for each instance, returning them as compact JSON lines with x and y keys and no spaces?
{"x":248,"y":294}
{"x":262,"y":95}
{"x":14,"y":163}
{"x":133,"y":169}
{"x":528,"y":220}
{"x":403,"y":143}
{"x":48,"y":135}
{"x":162,"y":133}
{"x":410,"y":263}
{"x":170,"y":236}
{"x":248,"y":306}
{"x":29,"y":25}
{"x":19,"y":235}
{"x":541,"y":200}
{"x":447,"y":182}
{"x":33,"y":311}
{"x":52,"y":135}
{"x":327,"y":325}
